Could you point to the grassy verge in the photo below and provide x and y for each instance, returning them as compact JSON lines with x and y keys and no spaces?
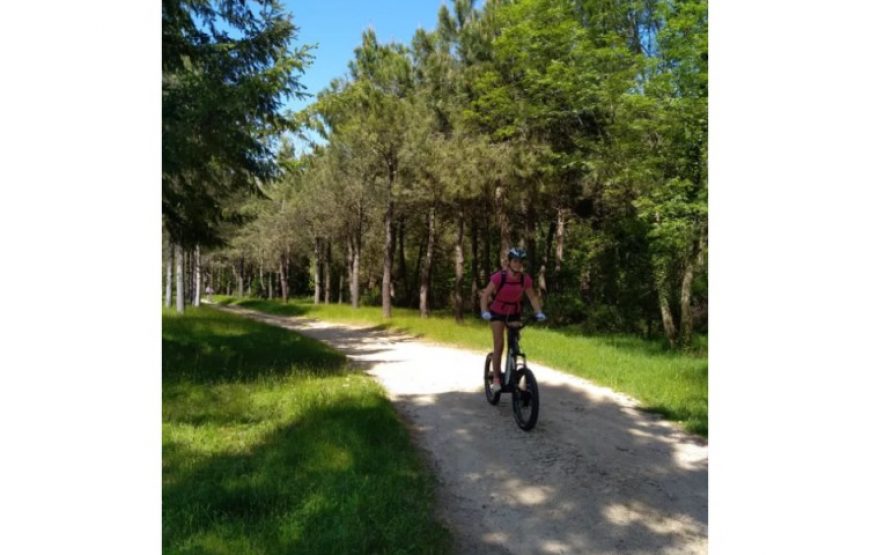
{"x":272,"y":445}
{"x":669,"y":383}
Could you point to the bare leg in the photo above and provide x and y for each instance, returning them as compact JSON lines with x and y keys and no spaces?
{"x":497,"y":348}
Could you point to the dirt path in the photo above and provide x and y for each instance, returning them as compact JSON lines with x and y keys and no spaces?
{"x":595,"y":476}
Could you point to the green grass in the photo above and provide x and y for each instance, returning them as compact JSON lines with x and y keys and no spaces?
{"x":272,"y":445}
{"x":672,"y":384}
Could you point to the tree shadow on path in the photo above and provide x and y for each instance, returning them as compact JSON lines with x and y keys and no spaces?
{"x":596,"y":476}
{"x":592,"y":477}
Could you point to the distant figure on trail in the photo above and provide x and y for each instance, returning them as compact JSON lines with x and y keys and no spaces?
{"x":208,"y":293}
{"x":508,"y":286}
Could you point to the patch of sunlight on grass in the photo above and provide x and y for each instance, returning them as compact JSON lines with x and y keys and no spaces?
{"x":222,"y":541}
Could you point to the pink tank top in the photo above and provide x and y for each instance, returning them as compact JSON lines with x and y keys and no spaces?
{"x":509,"y":298}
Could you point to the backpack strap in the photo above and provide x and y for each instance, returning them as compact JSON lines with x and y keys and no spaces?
{"x":503,"y":274}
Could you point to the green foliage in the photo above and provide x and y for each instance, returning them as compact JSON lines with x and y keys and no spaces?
{"x":512,"y":119}
{"x":226,"y":71}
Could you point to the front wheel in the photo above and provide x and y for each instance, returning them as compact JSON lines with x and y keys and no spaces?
{"x":526,"y":400}
{"x":491,"y":398}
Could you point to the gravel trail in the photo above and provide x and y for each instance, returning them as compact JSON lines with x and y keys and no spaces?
{"x":595,"y":476}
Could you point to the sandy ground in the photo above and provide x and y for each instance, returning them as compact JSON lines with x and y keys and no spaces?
{"x":595,"y":476}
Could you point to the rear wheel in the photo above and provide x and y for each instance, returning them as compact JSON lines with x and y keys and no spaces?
{"x":491,"y":398}
{"x":525,"y":399}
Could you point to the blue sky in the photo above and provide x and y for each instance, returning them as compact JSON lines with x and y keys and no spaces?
{"x":336,"y":26}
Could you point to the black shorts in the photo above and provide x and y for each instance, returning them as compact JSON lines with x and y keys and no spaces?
{"x":497,"y":317}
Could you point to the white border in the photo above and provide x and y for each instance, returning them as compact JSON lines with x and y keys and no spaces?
{"x":80,"y":393}
{"x":789,"y":276}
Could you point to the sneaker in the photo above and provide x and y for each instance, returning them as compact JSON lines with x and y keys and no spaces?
{"x":495,"y":387}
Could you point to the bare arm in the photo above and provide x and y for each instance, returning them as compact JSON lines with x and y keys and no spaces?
{"x":534,"y":299}
{"x":485,"y":295}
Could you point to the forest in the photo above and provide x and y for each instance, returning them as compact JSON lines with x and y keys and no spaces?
{"x":575,"y":129}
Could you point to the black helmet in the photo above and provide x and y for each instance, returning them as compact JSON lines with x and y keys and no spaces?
{"x":517,"y":252}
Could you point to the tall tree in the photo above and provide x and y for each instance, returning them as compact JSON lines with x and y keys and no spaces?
{"x":228,"y":66}
{"x":674,"y":203}
{"x":382,"y":75}
{"x":179,"y":279}
{"x":168,"y":249}
{"x":197,"y":276}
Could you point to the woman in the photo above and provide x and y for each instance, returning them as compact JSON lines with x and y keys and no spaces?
{"x":508,"y":287}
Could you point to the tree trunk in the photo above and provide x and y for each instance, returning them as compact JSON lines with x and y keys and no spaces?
{"x":458,"y":267}
{"x":403,"y":269}
{"x":261,"y":286}
{"x":240,"y":278}
{"x":487,"y":266}
{"x":561,"y":214}
{"x":348,"y":259}
{"x":191,"y":282}
{"x":426,"y":270}
{"x":354,"y":273}
{"x":586,"y":282}
{"x":349,"y":265}
{"x":503,"y":224}
{"x":686,"y":318}
{"x":197,"y":279}
{"x":340,"y":288}
{"x":386,"y":283}
{"x":545,"y":259}
{"x":327,"y":273}
{"x":191,"y":279}
{"x":474,"y":263}
{"x":317,"y":257}
{"x":529,"y":224}
{"x":667,"y":319}
{"x":270,"y":290}
{"x":282,"y":276}
{"x":356,"y":248}
{"x":393,"y":262}
{"x":421,"y":251}
{"x":686,"y":304}
{"x":179,"y":279}
{"x":187,"y":273}
{"x":169,"y":276}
